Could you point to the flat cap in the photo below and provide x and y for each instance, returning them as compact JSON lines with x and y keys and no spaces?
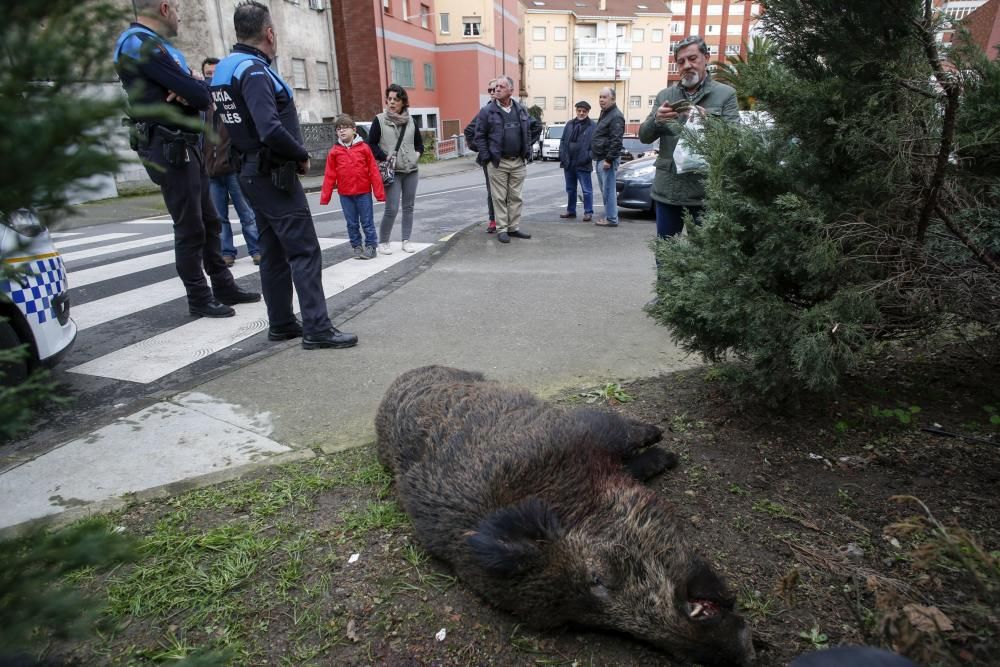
{"x":583,"y":104}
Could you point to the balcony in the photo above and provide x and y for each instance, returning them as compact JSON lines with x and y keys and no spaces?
{"x":610,"y":44}
{"x":601,"y":73}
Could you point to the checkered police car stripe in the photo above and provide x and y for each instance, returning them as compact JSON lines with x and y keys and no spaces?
{"x":33,"y":292}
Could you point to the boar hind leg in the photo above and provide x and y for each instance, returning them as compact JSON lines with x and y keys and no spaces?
{"x":650,"y":463}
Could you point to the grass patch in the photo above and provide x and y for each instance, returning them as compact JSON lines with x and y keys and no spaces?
{"x":381,"y":514}
{"x":190,"y":571}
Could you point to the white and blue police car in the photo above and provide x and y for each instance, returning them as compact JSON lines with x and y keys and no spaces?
{"x":34,"y":296}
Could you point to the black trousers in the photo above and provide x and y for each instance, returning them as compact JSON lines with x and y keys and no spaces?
{"x":197,"y":225}
{"x":289,"y":251}
{"x":489,"y":194}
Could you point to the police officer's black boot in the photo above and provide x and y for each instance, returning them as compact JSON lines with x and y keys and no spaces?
{"x":211,"y":309}
{"x":285,"y":331}
{"x":332,"y":337}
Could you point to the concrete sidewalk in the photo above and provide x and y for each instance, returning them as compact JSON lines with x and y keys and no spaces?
{"x":136,"y":207}
{"x":560,"y":311}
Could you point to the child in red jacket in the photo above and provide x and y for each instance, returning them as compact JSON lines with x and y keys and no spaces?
{"x":352,"y":170}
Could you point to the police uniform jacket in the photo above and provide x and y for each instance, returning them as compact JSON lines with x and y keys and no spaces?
{"x":150,"y":68}
{"x":257,"y":106}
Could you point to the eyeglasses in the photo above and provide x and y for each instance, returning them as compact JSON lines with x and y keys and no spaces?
{"x":490,"y":90}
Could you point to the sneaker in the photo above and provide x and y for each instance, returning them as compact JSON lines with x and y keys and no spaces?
{"x":408,"y":247}
{"x":358,"y":250}
{"x":256,"y":259}
{"x":384,"y":249}
{"x":228,"y":260}
{"x":492,"y":229}
{"x":368,"y":253}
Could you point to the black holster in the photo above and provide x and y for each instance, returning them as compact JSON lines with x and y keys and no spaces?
{"x":283,"y":176}
{"x":176,"y":144}
{"x":138,"y":133}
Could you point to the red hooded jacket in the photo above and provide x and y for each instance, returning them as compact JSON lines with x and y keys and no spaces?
{"x":352,"y":170}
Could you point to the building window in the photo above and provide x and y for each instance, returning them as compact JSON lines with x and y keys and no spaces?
{"x":559,"y":103}
{"x":406,"y":10}
{"x":428,"y":76}
{"x":299,"y":79}
{"x":445,"y":24}
{"x":651,"y":101}
{"x":559,"y":34}
{"x":470,"y":26}
{"x":695,"y":29}
{"x":635,"y":102}
{"x":711,"y":29}
{"x":656,"y":35}
{"x":538,"y":62}
{"x":675,"y":28}
{"x":620,"y":31}
{"x":432,"y":122}
{"x":713,"y":49}
{"x":672,"y":68}
{"x":732,"y":49}
{"x":386,"y":7}
{"x":638,"y":34}
{"x":402,"y":72}
{"x":558,"y":62}
{"x":636,"y":62}
{"x":538,"y":33}
{"x":322,"y":75}
{"x":539,"y":102}
{"x":656,"y":62}
{"x":425,"y":16}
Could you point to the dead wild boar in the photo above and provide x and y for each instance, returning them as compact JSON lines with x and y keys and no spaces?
{"x":540,"y":510}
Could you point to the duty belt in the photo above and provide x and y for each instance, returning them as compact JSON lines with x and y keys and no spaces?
{"x":190,"y":138}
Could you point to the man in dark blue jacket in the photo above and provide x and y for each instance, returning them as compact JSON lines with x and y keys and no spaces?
{"x":166,"y":102}
{"x":504,"y":135}
{"x":257,"y":108}
{"x":574,"y":158}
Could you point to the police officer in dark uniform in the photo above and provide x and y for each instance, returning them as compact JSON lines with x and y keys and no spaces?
{"x":162,"y":92}
{"x":257,"y":107}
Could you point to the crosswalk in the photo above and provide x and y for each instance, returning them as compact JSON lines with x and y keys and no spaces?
{"x":117,"y":277}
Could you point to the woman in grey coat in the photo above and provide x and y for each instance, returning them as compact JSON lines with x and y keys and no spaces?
{"x":382,"y":139}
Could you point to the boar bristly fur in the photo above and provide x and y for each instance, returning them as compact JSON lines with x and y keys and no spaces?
{"x":540,"y":510}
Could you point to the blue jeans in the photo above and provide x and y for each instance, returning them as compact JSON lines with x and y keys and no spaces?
{"x":670,"y":218}
{"x":221,"y":189}
{"x":358,"y":213}
{"x":606,"y":181}
{"x":582,"y":177}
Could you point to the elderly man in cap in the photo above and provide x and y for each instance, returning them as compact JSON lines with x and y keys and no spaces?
{"x":574,"y":158}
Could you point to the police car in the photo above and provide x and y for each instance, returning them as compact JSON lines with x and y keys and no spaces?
{"x":34,"y":296}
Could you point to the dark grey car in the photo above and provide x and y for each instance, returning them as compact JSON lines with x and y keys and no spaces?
{"x":633,"y":183}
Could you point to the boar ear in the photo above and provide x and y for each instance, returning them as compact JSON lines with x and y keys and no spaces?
{"x":514,"y":539}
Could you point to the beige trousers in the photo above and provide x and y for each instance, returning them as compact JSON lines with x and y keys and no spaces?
{"x":506,"y":183}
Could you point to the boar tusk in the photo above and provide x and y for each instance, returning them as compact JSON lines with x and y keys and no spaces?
{"x":697,"y":610}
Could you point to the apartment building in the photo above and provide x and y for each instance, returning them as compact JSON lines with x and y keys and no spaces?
{"x":983,"y":25}
{"x":443,"y":52}
{"x":573,"y":48}
{"x":955,"y":11}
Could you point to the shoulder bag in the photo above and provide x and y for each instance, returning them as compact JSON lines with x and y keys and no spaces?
{"x":387,"y":167}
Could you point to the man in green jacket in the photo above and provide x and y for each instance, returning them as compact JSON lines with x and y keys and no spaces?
{"x":696,"y":93}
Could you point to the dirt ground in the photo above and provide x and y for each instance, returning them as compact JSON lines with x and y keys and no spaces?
{"x":314,"y":564}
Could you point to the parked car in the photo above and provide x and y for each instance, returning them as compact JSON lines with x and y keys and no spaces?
{"x":633,"y":147}
{"x":34,"y":303}
{"x":633,"y":183}
{"x":551,"y":138}
{"x":364,"y":128}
